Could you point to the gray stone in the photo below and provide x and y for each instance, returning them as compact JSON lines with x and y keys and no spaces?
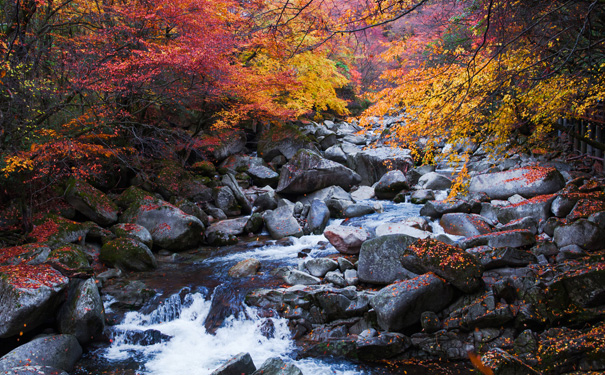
{"x":241,"y":364}
{"x":57,"y":351}
{"x":382,"y":346}
{"x":598,"y":218}
{"x":335,"y":153}
{"x":295,"y":277}
{"x":128,"y":254}
{"x":266,"y":201}
{"x":245,"y":268}
{"x":363,"y":193}
{"x":320,"y":266}
{"x":422,"y":196}
{"x":238,"y":193}
{"x":91,"y":202}
{"x":82,"y":315}
{"x":527,"y":223}
{"x":336,"y":278}
{"x":379,"y":259}
{"x":358,"y":209}
{"x":527,"y":182}
{"x":326,"y":194}
{"x":345,"y":264}
{"x":467,"y":225}
{"x":281,"y":223}
{"x":234,"y":227}
{"x":502,"y":257}
{"x":436,"y":209}
{"x":263,"y":176}
{"x":537,"y":208}
{"x":430,"y":322}
{"x":401,"y":228}
{"x":317,"y":218}
{"x":347,"y":240}
{"x":351,"y":277}
{"x":135,"y":231}
{"x":434,"y":181}
{"x":513,"y":238}
{"x":401,"y":304}
{"x":373,"y":163}
{"x":276,"y":366}
{"x":307,"y":171}
{"x":390,"y":184}
{"x":583,"y":233}
{"x":34,"y":370}
{"x":26,"y":306}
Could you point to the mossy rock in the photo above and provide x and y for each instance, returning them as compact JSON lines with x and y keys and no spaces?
{"x":91,"y":202}
{"x":204,"y":167}
{"x":128,"y":254}
{"x":133,"y":195}
{"x":283,"y":139}
{"x":70,"y":260}
{"x":134,"y":231}
{"x":32,"y":254}
{"x":55,"y":231}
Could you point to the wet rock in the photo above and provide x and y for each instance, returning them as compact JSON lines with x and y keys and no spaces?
{"x":342,"y":304}
{"x":512,"y":238}
{"x":422,"y":196}
{"x":318,"y":267}
{"x":582,"y":283}
{"x":336,"y":278}
{"x":193,"y":209}
{"x":327,"y":194}
{"x":382,"y":346}
{"x":91,"y":202}
{"x":401,"y":304}
{"x":363,"y":193}
{"x":491,"y":258}
{"x":276,"y":366}
{"x":230,"y":144}
{"x":347,"y":240}
{"x":379,"y":259}
{"x":390,"y":184}
{"x":317,"y":218}
{"x":537,"y":208}
{"x":245,"y":268}
{"x":307,"y":171}
{"x":70,"y":260}
{"x":527,"y":182}
{"x":134,"y":231}
{"x":170,"y":228}
{"x":56,"y":351}
{"x":436,"y":209}
{"x":565,"y":350}
{"x":30,"y":295}
{"x":335,"y":153}
{"x":401,"y":228}
{"x":254,"y":223}
{"x":56,"y":231}
{"x":358,"y":209}
{"x":295,"y":277}
{"x":241,"y":364}
{"x":449,"y":262}
{"x":586,"y":207}
{"x":281,"y":223}
{"x":466,"y":225}
{"x":82,"y":315}
{"x":373,"y":163}
{"x":188,"y":186}
{"x":598,"y":218}
{"x":128,"y":254}
{"x":583,"y":233}
{"x":434,"y":181}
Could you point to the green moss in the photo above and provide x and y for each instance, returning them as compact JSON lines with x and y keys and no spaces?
{"x":127,"y":254}
{"x":133,"y":195}
{"x":69,"y":258}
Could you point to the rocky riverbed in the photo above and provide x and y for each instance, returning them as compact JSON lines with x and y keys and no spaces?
{"x":509,"y":275}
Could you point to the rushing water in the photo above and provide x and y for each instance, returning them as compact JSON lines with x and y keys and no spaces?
{"x":201,"y":321}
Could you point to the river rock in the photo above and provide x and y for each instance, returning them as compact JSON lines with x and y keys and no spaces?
{"x":583,"y":233}
{"x":436,"y":209}
{"x":245,"y":268}
{"x":173,"y":181}
{"x":466,"y":225}
{"x":503,"y":363}
{"x":230,"y":143}
{"x":317,"y":218}
{"x":31,"y":254}
{"x":170,"y":228}
{"x":527,"y":182}
{"x":266,"y":201}
{"x":335,"y":153}
{"x":30,"y":295}
{"x":491,"y":258}
{"x":373,"y":163}
{"x":584,"y":208}
{"x":526,"y":223}
{"x":263,"y":176}
{"x":225,"y":200}
{"x":363,"y":193}
{"x":234,"y":227}
{"x":241,"y":364}
{"x":434,"y":181}
{"x":422,"y":196}
{"x":307,"y":171}
{"x":276,"y":366}
{"x":537,"y":208}
{"x":91,"y":202}
{"x":336,"y":278}
{"x":128,"y":254}
{"x":382,"y":346}
{"x":401,"y":228}
{"x":346,"y":239}
{"x":449,"y":262}
{"x":318,"y":267}
{"x":511,"y":238}
{"x":70,"y":260}
{"x":598,"y":218}
{"x":484,"y":311}
{"x":134,"y":231}
{"x":379,"y":259}
{"x":296,"y":277}
{"x":351,"y":277}
{"x":390,"y":184}
{"x":238,"y":193}
{"x":401,"y":304}
{"x":326,"y":194}
{"x":358,"y":209}
{"x":82,"y":315}
{"x":56,"y":351}
{"x":281,"y":223}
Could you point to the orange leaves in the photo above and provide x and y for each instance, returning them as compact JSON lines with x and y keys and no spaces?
{"x":476,"y":361}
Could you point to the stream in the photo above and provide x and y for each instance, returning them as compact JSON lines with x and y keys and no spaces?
{"x":199,"y":319}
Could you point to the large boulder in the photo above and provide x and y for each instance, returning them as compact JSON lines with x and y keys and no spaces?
{"x":347,"y":240}
{"x":317,"y":218}
{"x":283,"y":139}
{"x":91,"y":202}
{"x":390,"y":185}
{"x":32,"y":254}
{"x":234,"y":227}
{"x":170,"y":228}
{"x":401,"y":304}
{"x":449,"y":262}
{"x":583,"y":233}
{"x":70,"y":259}
{"x":277,"y":366}
{"x":174,"y":181}
{"x":401,"y":228}
{"x":379,"y":259}
{"x":241,"y":364}
{"x":372,"y":164}
{"x":434,"y":181}
{"x":238,"y":193}
{"x":30,"y":295}
{"x":467,"y":225}
{"x":56,"y":351}
{"x":436,"y":209}
{"x":263,"y":176}
{"x":307,"y":171}
{"x":509,"y":238}
{"x":128,"y":254}
{"x":536,"y":207}
{"x":82,"y":315}
{"x":134,"y":231}
{"x":281,"y":223}
{"x":527,"y":182}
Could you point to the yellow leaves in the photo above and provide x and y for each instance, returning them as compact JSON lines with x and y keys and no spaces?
{"x":17,"y":164}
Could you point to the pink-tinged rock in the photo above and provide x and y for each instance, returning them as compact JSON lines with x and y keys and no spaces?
{"x":527,"y":182}
{"x":347,"y":240}
{"x":466,"y":225}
